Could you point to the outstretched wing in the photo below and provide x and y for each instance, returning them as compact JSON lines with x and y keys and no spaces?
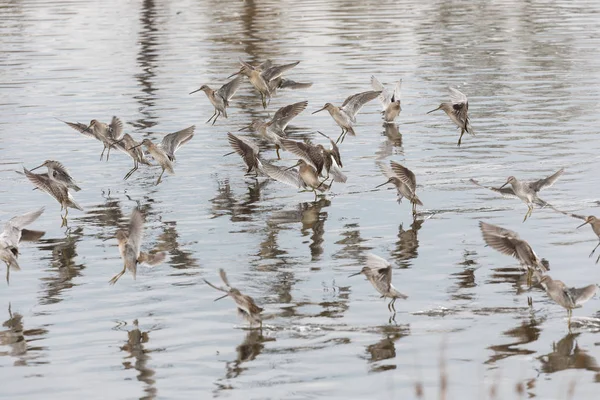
{"x":354,"y":103}
{"x":405,"y":175}
{"x":136,"y":230}
{"x":173,"y":141}
{"x":289,"y":177}
{"x":581,"y":295}
{"x":21,"y":221}
{"x":277,"y":71}
{"x":460,"y":104}
{"x":381,"y":270}
{"x":311,"y":154}
{"x":290,"y":84}
{"x":546,"y":182}
{"x":116,"y":128}
{"x":228,"y":90}
{"x":284,"y":115}
{"x":246,"y":149}
{"x":385,"y":98}
{"x":43,"y":182}
{"x":81,"y":128}
{"x":505,"y":191}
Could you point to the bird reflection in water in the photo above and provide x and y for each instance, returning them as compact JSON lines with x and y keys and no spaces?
{"x":18,"y":340}
{"x":407,"y":244}
{"x":247,"y":351}
{"x":225,"y":203}
{"x":64,"y":251}
{"x":167,"y":241}
{"x":465,"y":278}
{"x":385,"y":349}
{"x":566,"y":354}
{"x":104,"y":215}
{"x":393,"y":141}
{"x":136,"y":347}
{"x":351,"y":243}
{"x":527,"y":332}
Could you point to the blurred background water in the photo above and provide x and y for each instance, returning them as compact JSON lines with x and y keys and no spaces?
{"x":531,"y":72}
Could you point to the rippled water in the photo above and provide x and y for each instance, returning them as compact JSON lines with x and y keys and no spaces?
{"x":531,"y":71}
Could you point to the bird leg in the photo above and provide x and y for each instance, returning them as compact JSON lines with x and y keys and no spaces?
{"x":462,"y":132}
{"x":392,"y":307}
{"x":7,"y":274}
{"x":108,"y":152}
{"x":597,"y":259}
{"x":569,"y":313}
{"x":135,"y":167}
{"x":218,"y":115}
{"x":277,"y":147}
{"x":315,"y":191}
{"x":102,"y":154}
{"x":215,"y":113}
{"x":528,"y":213}
{"x":64,"y":219}
{"x":593,"y":251}
{"x":115,"y":278}
{"x":160,"y":177}
{"x":340,"y":137}
{"x":263,"y":99}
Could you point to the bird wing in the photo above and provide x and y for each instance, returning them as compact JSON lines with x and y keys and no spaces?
{"x":354,"y":103}
{"x":385,"y":98}
{"x":116,"y":128}
{"x":265,"y":65}
{"x":277,"y":70}
{"x":289,"y":177}
{"x":228,"y":90}
{"x":28,"y":235}
{"x":305,"y":151}
{"x":380,"y":268}
{"x":581,"y":295}
{"x":405,"y":175}
{"x":246,"y":149}
{"x":505,"y":191}
{"x":546,"y":182}
{"x":23,"y":220}
{"x":460,"y":105}
{"x":151,"y":259}
{"x":456,"y":96}
{"x":81,"y":128}
{"x":223,"y":276}
{"x":499,"y":238}
{"x":284,"y":115}
{"x":136,"y":230}
{"x":335,"y":150}
{"x":396,"y":95}
{"x":43,"y":182}
{"x":386,"y":170}
{"x":290,"y":84}
{"x":173,"y":141}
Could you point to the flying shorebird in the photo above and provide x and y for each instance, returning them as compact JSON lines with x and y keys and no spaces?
{"x":404,"y":180}
{"x":457,"y":110}
{"x":272,"y":131}
{"x":594,"y":223}
{"x":247,"y":150}
{"x":345,"y":116}
{"x":14,"y":232}
{"x":105,"y":133}
{"x":129,"y":146}
{"x":220,"y":98}
{"x":567,"y":297}
{"x":130,"y":242}
{"x":379,"y":272}
{"x":304,"y":178}
{"x":508,"y":242}
{"x":55,"y":189}
{"x":260,"y":79}
{"x":324,"y":161}
{"x":245,"y":304}
{"x":279,"y":82}
{"x":389,"y":101}
{"x":164,"y":153}
{"x":57,"y":172}
{"x":526,"y":191}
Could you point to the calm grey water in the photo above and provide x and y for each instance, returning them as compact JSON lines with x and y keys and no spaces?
{"x":531,"y":71}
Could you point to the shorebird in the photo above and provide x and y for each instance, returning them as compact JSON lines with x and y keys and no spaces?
{"x":220,"y":98}
{"x":58,"y":173}
{"x":247,"y":150}
{"x":164,"y":153}
{"x":272,"y":131}
{"x":526,"y":191}
{"x":508,"y":242}
{"x":260,"y":78}
{"x":304,"y":178}
{"x":345,"y":116}
{"x":567,"y":297}
{"x":130,"y":242}
{"x":404,"y":180}
{"x":55,"y":189}
{"x":390,"y":102}
{"x":457,"y":110}
{"x":324,"y":161}
{"x":379,"y":272}
{"x":129,"y":146}
{"x":14,"y":232}
{"x":595,"y":224}
{"x":245,"y":303}
{"x":105,"y":133}
{"x":279,"y":82}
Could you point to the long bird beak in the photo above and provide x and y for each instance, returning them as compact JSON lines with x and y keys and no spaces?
{"x":232,"y":75}
{"x":384,"y":183}
{"x":222,"y":297}
{"x":503,"y":185}
{"x":318,"y":110}
{"x":585,"y":223}
{"x":33,"y":169}
{"x":350,"y":276}
{"x":244,"y":128}
{"x":293,"y":166}
{"x":135,"y":147}
{"x":228,"y":154}
{"x":429,"y":112}
{"x":195,"y":91}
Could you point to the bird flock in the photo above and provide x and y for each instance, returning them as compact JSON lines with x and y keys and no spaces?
{"x":317,"y":168}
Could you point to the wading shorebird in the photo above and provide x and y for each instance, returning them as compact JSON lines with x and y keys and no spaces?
{"x":457,"y":110}
{"x":304,"y":178}
{"x":56,"y":189}
{"x":274,"y":130}
{"x":245,"y":304}
{"x":164,"y":153}
{"x":595,"y":224}
{"x":14,"y":232}
{"x":58,"y":173}
{"x":130,"y":243}
{"x":345,"y":116}
{"x":567,"y":297}
{"x":220,"y":98}
{"x":105,"y":133}
{"x":390,"y":102}
{"x":404,"y":180}
{"x":324,"y":161}
{"x":508,"y":242}
{"x":129,"y":146}
{"x":260,"y":79}
{"x":247,"y":150}
{"x":379,"y":272}
{"x":526,"y":191}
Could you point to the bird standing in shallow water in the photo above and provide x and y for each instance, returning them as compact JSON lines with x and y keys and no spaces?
{"x":14,"y":232}
{"x":457,"y":110}
{"x":379,"y":272}
{"x":220,"y":98}
{"x":164,"y":153}
{"x":567,"y":297}
{"x":105,"y":133}
{"x":130,"y":243}
{"x":55,"y":189}
{"x":390,"y":102}
{"x":404,"y":180}
{"x":245,"y":304}
{"x":58,"y":173}
{"x":595,"y":223}
{"x":345,"y":116}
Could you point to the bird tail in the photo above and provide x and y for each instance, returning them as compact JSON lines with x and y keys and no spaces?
{"x":151,"y":259}
{"x":323,"y":187}
{"x":75,"y":187}
{"x":351,"y":131}
{"x":469,"y":128}
{"x":31,"y":236}
{"x":73,"y":204}
{"x":415,"y":200}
